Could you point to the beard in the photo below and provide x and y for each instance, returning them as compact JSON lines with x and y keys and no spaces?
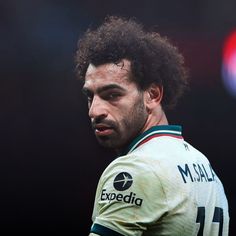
{"x":127,"y":129}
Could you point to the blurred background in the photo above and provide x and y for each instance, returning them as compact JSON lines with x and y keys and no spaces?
{"x":50,"y":161}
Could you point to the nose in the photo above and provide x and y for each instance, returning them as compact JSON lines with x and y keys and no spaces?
{"x":97,"y":108}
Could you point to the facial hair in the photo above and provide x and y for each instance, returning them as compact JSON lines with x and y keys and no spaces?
{"x":128,"y":127}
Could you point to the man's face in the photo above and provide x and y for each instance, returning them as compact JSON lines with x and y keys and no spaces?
{"x":116,"y":106}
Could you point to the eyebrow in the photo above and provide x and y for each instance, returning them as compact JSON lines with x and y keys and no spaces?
{"x":87,"y":91}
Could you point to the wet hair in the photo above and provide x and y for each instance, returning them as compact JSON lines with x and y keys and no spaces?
{"x":153,"y":58}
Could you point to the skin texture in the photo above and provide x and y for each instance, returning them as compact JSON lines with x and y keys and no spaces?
{"x":118,"y":110}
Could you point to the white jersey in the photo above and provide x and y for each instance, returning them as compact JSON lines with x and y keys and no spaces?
{"x":161,"y":186}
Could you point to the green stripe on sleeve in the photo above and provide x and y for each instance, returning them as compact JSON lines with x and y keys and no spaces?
{"x":103,"y":231}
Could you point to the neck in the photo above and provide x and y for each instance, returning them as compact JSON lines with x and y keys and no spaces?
{"x":156,"y":117}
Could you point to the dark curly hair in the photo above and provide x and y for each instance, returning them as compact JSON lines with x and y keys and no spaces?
{"x":153,"y":58}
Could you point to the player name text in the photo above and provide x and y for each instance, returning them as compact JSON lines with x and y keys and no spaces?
{"x":196,"y":173}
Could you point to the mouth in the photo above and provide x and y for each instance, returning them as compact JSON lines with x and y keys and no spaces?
{"x":103,"y":130}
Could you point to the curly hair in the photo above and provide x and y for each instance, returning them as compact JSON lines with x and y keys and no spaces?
{"x":153,"y":58}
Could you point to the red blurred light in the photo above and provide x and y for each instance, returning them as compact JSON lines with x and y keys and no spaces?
{"x":229,"y":47}
{"x":229,"y":63}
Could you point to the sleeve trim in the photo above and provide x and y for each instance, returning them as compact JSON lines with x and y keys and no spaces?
{"x":103,"y":231}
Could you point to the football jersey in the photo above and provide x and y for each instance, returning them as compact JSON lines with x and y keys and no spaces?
{"x":160,"y":186}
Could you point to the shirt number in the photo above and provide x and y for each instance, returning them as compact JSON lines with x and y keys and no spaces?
{"x":217,"y":218}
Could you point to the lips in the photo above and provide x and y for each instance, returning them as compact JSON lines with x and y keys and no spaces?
{"x":102,"y":130}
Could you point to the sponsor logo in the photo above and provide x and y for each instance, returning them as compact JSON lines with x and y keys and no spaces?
{"x":129,"y":198}
{"x":122,"y":181}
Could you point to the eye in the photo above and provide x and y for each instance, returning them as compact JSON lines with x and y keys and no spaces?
{"x":89,"y":100}
{"x":112,"y":96}
{"x":88,"y":95}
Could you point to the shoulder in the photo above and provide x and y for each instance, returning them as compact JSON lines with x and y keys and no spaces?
{"x":131,"y":184}
{"x":131,"y":174}
{"x":139,"y":167}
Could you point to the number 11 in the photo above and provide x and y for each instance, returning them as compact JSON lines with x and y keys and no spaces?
{"x":217,"y":218}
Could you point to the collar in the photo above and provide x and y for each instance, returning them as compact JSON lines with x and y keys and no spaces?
{"x":174,"y":131}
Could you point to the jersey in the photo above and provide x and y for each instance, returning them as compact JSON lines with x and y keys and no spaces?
{"x":160,"y":186}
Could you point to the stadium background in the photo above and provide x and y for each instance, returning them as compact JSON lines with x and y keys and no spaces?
{"x":50,"y":160}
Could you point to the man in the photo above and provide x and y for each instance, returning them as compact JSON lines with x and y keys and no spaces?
{"x":159,"y":184}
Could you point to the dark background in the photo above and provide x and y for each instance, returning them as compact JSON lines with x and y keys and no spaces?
{"x":50,"y":160}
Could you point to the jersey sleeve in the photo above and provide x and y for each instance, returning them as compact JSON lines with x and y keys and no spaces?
{"x":129,"y":199}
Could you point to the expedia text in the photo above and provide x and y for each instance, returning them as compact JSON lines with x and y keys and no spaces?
{"x":129,"y":198}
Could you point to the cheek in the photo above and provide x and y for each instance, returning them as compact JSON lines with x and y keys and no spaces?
{"x":121,"y":116}
{"x":130,"y":112}
{"x":134,"y":117}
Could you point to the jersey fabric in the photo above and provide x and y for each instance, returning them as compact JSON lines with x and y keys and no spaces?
{"x":160,"y":186}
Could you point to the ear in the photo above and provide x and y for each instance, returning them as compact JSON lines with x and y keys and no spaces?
{"x":153,"y":96}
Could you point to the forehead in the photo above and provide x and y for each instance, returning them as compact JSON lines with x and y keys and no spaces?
{"x":108,"y":73}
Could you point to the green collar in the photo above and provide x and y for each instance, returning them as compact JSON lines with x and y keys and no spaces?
{"x":156,"y":131}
